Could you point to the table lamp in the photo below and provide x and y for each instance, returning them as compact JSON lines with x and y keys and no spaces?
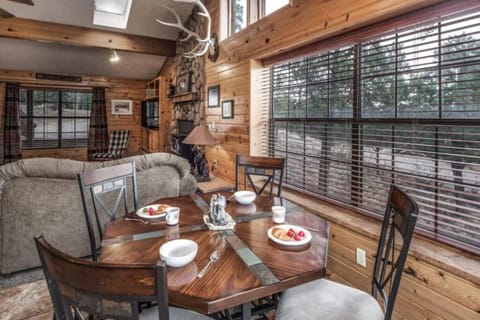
{"x":200,"y":136}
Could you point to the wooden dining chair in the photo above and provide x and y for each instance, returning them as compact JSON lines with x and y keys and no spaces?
{"x":116,"y":147}
{"x":106,"y":290}
{"x":266,"y":168}
{"x":325,"y":299}
{"x":102,"y":191}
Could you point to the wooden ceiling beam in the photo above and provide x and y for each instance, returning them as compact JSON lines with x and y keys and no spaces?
{"x":71,"y":35}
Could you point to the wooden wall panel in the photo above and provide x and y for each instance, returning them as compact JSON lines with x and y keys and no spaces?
{"x":232,"y":135}
{"x":421,"y":283}
{"x":311,"y":20}
{"x":124,"y":89}
{"x":79,"y":154}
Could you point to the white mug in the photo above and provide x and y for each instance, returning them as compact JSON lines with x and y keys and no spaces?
{"x":173,"y":215}
{"x":278,"y":214}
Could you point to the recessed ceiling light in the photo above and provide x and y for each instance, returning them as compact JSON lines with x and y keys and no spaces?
{"x":112,"y":13}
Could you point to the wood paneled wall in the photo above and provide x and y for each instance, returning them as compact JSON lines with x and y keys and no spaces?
{"x":431,"y":289}
{"x":233,"y":76}
{"x":232,"y":135}
{"x":307,"y":21}
{"x":124,"y":89}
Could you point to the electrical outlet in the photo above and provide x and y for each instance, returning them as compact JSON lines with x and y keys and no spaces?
{"x":361,"y":257}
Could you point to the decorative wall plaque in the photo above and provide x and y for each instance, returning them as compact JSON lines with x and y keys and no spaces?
{"x":57,"y":77}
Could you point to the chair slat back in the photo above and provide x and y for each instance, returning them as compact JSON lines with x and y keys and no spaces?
{"x":266,"y":167}
{"x":102,"y":190}
{"x":400,"y":219}
{"x":100,"y":289}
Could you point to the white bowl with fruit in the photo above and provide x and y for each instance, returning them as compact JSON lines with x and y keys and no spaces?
{"x":289,"y":235}
{"x":153,"y":211}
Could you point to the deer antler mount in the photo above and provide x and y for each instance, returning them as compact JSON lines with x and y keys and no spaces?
{"x":208,"y":43}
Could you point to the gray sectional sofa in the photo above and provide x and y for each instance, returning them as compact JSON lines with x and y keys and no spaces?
{"x":41,"y":195}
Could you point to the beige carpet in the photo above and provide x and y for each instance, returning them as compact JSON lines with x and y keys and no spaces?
{"x":32,"y":301}
{"x":26,"y":301}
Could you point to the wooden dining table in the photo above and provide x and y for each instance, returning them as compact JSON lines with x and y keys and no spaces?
{"x":250,"y":266}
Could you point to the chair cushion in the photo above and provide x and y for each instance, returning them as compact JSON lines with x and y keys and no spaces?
{"x":327,"y":300}
{"x":175,"y":314}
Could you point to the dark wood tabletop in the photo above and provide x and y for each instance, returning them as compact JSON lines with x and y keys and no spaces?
{"x":251,"y":266}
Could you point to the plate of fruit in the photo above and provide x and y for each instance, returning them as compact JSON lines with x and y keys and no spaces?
{"x":153,"y":211}
{"x":289,"y":235}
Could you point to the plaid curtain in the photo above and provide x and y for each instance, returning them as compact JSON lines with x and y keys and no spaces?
{"x":12,"y":150}
{"x":98,"y":131}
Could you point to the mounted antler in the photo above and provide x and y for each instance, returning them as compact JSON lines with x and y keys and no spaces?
{"x":204,"y":44}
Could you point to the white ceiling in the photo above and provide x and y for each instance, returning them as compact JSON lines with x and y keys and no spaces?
{"x":56,"y":58}
{"x":80,"y":13}
{"x":46,"y":57}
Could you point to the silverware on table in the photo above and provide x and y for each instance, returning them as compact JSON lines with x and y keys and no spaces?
{"x":213,"y":257}
{"x":135,"y":219}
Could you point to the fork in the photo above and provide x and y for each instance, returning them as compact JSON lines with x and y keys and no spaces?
{"x":139,"y":220}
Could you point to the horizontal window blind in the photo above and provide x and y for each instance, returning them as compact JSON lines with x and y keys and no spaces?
{"x":52,"y":118}
{"x":400,"y":108}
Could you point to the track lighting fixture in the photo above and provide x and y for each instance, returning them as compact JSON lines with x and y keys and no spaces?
{"x":114,"y":57}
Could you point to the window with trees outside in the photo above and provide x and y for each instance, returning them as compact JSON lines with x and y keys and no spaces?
{"x":400,"y":108}
{"x":52,"y":118}
{"x":244,"y":12}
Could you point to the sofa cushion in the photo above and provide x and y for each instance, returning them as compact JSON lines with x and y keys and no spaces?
{"x":42,"y":196}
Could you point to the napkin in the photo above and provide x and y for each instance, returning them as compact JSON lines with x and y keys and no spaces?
{"x":228,"y":226}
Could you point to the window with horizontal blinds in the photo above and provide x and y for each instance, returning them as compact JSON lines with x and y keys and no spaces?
{"x":399,"y":108}
{"x":52,"y":118}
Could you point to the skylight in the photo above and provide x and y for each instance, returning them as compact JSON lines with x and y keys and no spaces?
{"x":112,"y":13}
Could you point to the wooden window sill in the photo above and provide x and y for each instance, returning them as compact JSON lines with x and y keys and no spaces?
{"x":456,"y":261}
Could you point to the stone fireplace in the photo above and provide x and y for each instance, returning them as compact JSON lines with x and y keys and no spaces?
{"x":190,"y":110}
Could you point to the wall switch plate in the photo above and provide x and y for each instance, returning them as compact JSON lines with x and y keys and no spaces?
{"x":361,"y":257}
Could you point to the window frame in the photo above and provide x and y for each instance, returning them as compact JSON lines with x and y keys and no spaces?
{"x":30,"y":143}
{"x":255,"y":11}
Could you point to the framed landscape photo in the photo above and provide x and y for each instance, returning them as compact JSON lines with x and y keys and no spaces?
{"x":122,"y":107}
{"x":227,"y":109}
{"x":183,"y":83}
{"x":213,"y":96}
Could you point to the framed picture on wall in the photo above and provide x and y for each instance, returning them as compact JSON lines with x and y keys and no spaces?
{"x":184,"y":83}
{"x":120,"y":107}
{"x":227,"y":109}
{"x":213,"y":96}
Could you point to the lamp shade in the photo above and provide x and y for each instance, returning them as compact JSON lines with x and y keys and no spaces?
{"x":200,"y":136}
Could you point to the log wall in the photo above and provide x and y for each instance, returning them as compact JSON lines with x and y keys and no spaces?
{"x":123,"y":89}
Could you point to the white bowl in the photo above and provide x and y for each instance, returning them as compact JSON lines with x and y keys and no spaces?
{"x":245,"y":197}
{"x":179,"y":252}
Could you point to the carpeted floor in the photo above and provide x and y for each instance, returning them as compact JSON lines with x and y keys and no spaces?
{"x":24,"y":295}
{"x":26,"y":301}
{"x":19,"y":278}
